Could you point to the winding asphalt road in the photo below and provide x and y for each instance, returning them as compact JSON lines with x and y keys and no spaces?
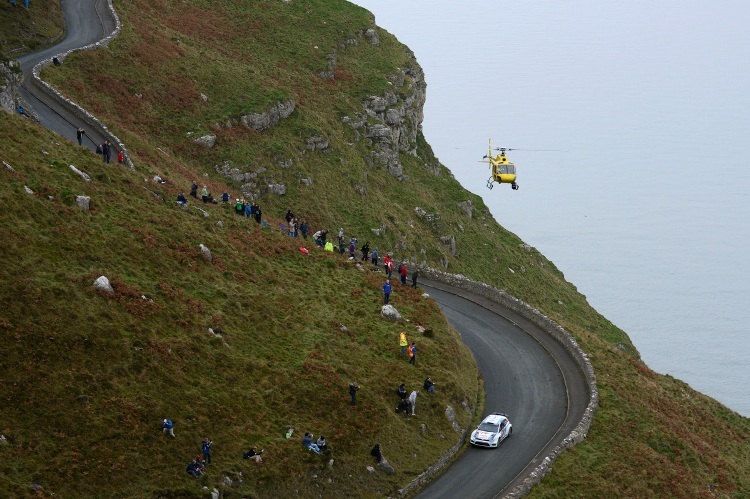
{"x":527,"y":374}
{"x":87,"y":22}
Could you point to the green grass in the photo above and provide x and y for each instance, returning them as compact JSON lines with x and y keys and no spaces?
{"x":91,"y":376}
{"x":30,"y":29}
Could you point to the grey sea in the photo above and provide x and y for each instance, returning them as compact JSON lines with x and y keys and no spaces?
{"x":644,"y":206}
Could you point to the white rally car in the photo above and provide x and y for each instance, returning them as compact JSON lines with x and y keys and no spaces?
{"x":494,"y":429}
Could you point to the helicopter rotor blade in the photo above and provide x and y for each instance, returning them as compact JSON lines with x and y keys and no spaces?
{"x":530,"y":150}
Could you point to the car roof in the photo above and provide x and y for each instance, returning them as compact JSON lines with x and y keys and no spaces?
{"x":495,"y":418}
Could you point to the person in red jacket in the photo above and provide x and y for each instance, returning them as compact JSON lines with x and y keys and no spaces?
{"x":403,"y":274}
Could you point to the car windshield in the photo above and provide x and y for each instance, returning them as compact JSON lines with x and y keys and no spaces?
{"x":488,"y":427}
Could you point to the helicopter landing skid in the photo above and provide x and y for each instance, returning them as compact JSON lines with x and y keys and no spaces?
{"x":489,"y":183}
{"x":514,"y":186}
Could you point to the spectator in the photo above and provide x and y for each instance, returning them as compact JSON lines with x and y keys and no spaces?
{"x":289,"y":433}
{"x":121,"y":159}
{"x":239,"y":206}
{"x":106,"y":151}
{"x":429,"y":385}
{"x":307,"y":442}
{"x":204,"y":194}
{"x":201,"y":464}
{"x":329,"y":246}
{"x":403,"y":342}
{"x":303,"y":228}
{"x":159,"y":180}
{"x":181,"y":199}
{"x":206,"y":448}
{"x":321,"y":443}
{"x":79,"y":135}
{"x":289,"y":216}
{"x":386,"y":292}
{"x":341,"y":235}
{"x":352,"y":247}
{"x":365,"y":250}
{"x":317,"y":238}
{"x":414,"y":278}
{"x":413,"y":354}
{"x":258,"y":214}
{"x":401,"y":391}
{"x":353,"y":387}
{"x":248,"y":210}
{"x":376,"y":453}
{"x":194,"y":469}
{"x":255,"y":455}
{"x":413,"y":400}
{"x":403,"y":407}
{"x":194,"y":190}
{"x":168,"y":427}
{"x":225,"y":197}
{"x":375,"y":257}
{"x":402,"y":271}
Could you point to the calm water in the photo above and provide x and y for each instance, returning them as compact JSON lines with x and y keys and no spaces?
{"x":647,"y":210}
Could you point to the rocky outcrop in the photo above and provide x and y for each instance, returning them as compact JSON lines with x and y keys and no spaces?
{"x":392,"y":121}
{"x":10,"y":83}
{"x":265,"y":120}
{"x":467,"y":207}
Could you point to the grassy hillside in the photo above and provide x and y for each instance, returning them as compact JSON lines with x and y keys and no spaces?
{"x":281,"y":313}
{"x":88,"y":377}
{"x":29,"y":29}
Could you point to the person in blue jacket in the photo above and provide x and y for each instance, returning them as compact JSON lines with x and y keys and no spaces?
{"x":168,"y":427}
{"x":386,"y":292}
{"x":206,"y":448}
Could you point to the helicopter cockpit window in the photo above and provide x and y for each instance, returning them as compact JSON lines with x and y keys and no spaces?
{"x":507,"y":168}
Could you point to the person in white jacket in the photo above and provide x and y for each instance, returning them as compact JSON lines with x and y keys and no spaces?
{"x":413,"y":400}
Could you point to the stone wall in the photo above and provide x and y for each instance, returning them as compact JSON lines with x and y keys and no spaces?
{"x":423,"y":478}
{"x":73,"y":107}
{"x":561,"y":335}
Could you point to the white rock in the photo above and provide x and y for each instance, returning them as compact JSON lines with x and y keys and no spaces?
{"x":83,"y":175}
{"x":206,"y":140}
{"x":8,"y":166}
{"x":83,"y":202}
{"x":206,"y":252}
{"x":28,"y":191}
{"x":102,"y":284}
{"x":425,"y":295}
{"x":370,"y":469}
{"x":389,"y":312}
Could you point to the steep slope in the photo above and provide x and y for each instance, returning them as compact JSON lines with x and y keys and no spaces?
{"x":89,"y":376}
{"x":310,"y":99}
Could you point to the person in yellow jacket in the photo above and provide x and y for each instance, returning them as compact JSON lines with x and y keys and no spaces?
{"x":402,"y":341}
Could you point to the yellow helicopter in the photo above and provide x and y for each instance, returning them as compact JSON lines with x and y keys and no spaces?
{"x":503,"y":171}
